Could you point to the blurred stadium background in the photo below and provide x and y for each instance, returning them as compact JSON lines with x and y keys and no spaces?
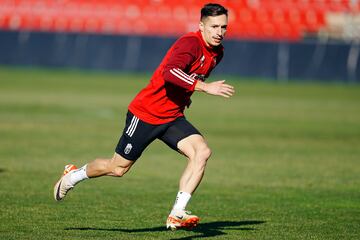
{"x":276,"y":39}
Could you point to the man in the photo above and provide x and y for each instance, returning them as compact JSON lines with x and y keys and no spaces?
{"x":157,"y":112}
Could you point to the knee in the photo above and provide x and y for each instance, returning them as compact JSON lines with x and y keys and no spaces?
{"x":203,"y":153}
{"x":119,"y":168}
{"x":119,"y":171}
{"x":206,"y":152}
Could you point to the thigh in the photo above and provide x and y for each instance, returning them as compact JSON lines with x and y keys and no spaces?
{"x":177,"y":131}
{"x":137,"y":135}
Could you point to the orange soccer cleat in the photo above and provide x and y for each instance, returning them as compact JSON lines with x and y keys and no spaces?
{"x":181,"y":219}
{"x":62,"y":186}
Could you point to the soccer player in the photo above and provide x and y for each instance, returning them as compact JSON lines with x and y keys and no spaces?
{"x":157,"y":112}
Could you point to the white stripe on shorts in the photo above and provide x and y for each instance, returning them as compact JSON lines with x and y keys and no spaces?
{"x":131,"y":129}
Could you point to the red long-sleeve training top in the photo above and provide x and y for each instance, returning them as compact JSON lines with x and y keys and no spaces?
{"x":187,"y":61}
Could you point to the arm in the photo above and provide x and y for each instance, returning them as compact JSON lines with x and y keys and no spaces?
{"x":217,"y":88}
{"x":181,"y":58}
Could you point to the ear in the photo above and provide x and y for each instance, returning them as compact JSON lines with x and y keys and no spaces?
{"x":201,"y":26}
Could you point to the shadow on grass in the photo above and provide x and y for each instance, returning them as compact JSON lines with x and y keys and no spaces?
{"x":210,"y":229}
{"x":2,"y":170}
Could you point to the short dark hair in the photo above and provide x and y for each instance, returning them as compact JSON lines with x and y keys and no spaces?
{"x":213,"y":9}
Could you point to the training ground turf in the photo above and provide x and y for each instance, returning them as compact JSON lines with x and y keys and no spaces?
{"x":285,"y":163}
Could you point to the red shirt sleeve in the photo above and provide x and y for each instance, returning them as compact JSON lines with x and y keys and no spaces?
{"x":185,"y":52}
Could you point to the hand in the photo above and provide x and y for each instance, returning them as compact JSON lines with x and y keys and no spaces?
{"x":217,"y":88}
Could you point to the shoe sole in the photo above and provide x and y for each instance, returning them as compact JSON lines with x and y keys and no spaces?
{"x":188,"y":224}
{"x":68,"y":169}
{"x":57,"y":190}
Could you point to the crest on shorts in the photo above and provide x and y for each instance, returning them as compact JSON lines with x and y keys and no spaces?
{"x":128,"y":148}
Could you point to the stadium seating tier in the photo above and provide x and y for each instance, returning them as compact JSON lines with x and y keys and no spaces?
{"x":259,"y":19}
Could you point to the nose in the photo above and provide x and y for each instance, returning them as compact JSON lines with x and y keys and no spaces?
{"x":219,"y":31}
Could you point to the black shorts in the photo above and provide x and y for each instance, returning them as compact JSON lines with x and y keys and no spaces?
{"x":137,"y":135}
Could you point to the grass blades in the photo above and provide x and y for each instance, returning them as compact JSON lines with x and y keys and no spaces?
{"x":285,"y":164}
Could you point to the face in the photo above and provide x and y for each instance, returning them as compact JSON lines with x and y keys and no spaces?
{"x":213,"y":29}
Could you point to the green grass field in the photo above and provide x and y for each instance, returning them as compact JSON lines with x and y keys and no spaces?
{"x":285,"y":164}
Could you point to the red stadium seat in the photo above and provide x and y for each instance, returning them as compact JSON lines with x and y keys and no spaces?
{"x":263,"y":19}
